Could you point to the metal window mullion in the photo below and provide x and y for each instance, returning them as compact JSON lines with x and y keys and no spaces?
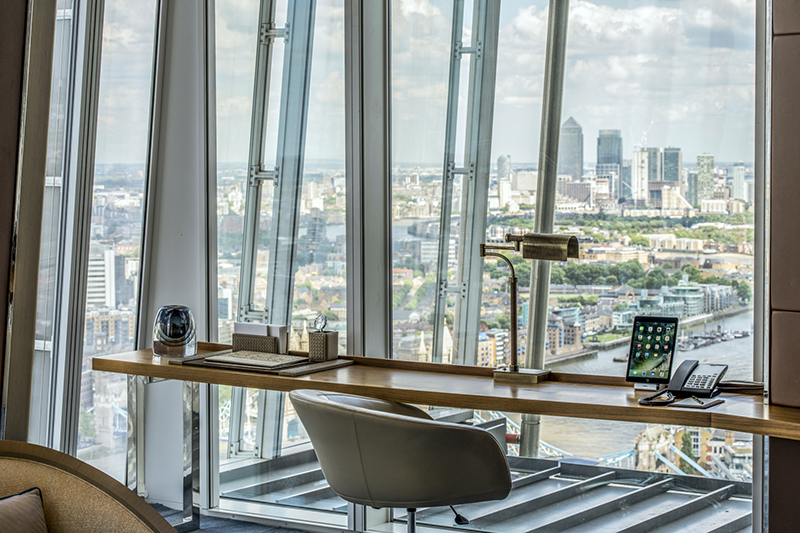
{"x":269,"y":426}
{"x":79,"y":218}
{"x":288,"y":182}
{"x":368,"y":175}
{"x":761,"y":345}
{"x":258,"y":126}
{"x":236,"y":420}
{"x":291,"y":151}
{"x":558,"y":15}
{"x":448,"y":178}
{"x":475,"y":180}
{"x":63,"y":183}
{"x":474,"y":203}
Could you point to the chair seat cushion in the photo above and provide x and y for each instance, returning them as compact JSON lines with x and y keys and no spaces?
{"x":23,"y":512}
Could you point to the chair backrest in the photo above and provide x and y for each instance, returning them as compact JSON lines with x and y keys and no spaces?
{"x":77,"y":497}
{"x":385,"y":454}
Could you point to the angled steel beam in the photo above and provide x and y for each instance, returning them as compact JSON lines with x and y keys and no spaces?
{"x":291,"y":151}
{"x":681,"y":511}
{"x":258,"y":125}
{"x":621,"y":502}
{"x":550,"y":498}
{"x":474,"y":176}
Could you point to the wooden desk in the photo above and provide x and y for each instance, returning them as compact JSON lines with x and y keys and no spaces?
{"x":571,"y":395}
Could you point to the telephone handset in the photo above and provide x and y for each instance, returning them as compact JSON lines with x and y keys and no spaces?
{"x":692,"y":378}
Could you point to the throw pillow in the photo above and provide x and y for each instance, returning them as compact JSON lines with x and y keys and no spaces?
{"x":23,"y":512}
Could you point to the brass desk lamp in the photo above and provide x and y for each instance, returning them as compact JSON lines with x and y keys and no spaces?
{"x":533,"y":246}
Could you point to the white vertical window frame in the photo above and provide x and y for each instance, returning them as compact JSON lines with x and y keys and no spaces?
{"x":761,"y":314}
{"x":78,"y":219}
{"x":368,"y":175}
{"x":44,"y":399}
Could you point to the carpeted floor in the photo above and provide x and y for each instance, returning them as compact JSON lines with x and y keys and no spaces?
{"x":212,"y":524}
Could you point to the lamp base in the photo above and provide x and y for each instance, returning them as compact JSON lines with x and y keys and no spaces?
{"x":524,"y":376}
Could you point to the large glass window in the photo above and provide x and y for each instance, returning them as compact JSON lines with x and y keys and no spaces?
{"x":656,"y":176}
{"x":55,"y":171}
{"x":281,"y":227}
{"x":116,"y":231}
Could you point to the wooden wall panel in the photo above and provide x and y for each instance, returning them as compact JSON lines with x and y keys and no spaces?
{"x":785,"y":250}
{"x":785,"y":361}
{"x":785,"y":17}
{"x":12,"y":53}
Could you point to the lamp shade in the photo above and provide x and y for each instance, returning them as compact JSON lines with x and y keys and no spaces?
{"x":550,"y":247}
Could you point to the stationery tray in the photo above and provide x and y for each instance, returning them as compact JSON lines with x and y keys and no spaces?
{"x":260,"y":362}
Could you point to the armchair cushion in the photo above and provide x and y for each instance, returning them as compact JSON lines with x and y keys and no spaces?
{"x":23,"y":512}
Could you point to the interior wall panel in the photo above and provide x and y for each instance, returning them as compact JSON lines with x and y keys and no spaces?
{"x":12,"y":51}
{"x":785,"y":17}
{"x":785,"y":179}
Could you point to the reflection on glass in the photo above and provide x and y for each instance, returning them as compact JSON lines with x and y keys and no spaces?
{"x":421,"y":51}
{"x":264,"y":450}
{"x":656,"y":178}
{"x":117,"y":210}
{"x":48,"y":283}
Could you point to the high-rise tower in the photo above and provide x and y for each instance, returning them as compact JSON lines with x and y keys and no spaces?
{"x":705,"y":177}
{"x":609,"y":148}
{"x":672,"y":163}
{"x":570,"y":149}
{"x":738,"y":181}
{"x":504,"y":168}
{"x":653,"y":164}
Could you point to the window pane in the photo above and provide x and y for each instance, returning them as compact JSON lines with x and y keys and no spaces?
{"x":420,"y":62}
{"x":49,"y":276}
{"x":117,"y":210}
{"x":421,"y":52}
{"x":656,"y":177}
{"x":265,"y":455}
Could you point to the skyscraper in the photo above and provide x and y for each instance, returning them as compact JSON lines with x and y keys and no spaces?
{"x":639,"y":175}
{"x":504,"y":167}
{"x":570,"y":149}
{"x":705,"y":177}
{"x":609,"y":148}
{"x":609,"y":159}
{"x":691,"y":195}
{"x":738,"y":192}
{"x":672,"y":164}
{"x":653,"y":164}
{"x":625,"y":190}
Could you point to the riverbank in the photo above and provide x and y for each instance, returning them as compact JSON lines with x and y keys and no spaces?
{"x":700,"y":319}
{"x":571,"y":358}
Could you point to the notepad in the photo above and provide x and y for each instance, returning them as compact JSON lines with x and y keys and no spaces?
{"x":267,"y":360}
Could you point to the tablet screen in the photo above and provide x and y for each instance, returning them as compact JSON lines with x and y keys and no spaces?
{"x":652,"y":349}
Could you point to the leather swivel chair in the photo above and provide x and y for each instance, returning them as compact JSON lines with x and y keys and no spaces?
{"x":387,"y":454}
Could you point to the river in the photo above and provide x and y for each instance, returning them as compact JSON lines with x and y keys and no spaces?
{"x":593,"y":438}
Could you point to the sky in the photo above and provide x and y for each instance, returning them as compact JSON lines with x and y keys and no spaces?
{"x":665,"y":73}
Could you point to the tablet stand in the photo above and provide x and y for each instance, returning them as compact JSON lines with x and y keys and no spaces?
{"x":645,"y":386}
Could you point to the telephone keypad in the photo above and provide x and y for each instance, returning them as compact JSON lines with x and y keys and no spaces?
{"x":699,"y":381}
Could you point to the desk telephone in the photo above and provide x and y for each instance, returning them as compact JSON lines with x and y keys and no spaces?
{"x":692,"y":378}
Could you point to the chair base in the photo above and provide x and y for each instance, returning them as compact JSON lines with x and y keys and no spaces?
{"x":411,"y":520}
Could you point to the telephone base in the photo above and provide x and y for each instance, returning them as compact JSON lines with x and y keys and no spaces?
{"x":645,"y":386}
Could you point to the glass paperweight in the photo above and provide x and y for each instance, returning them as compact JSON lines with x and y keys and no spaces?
{"x":174,"y":333}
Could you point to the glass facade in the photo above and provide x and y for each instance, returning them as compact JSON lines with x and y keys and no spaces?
{"x":116,"y":231}
{"x":663,"y":214}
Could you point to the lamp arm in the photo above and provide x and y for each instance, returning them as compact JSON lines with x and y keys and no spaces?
{"x":504,"y":258}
